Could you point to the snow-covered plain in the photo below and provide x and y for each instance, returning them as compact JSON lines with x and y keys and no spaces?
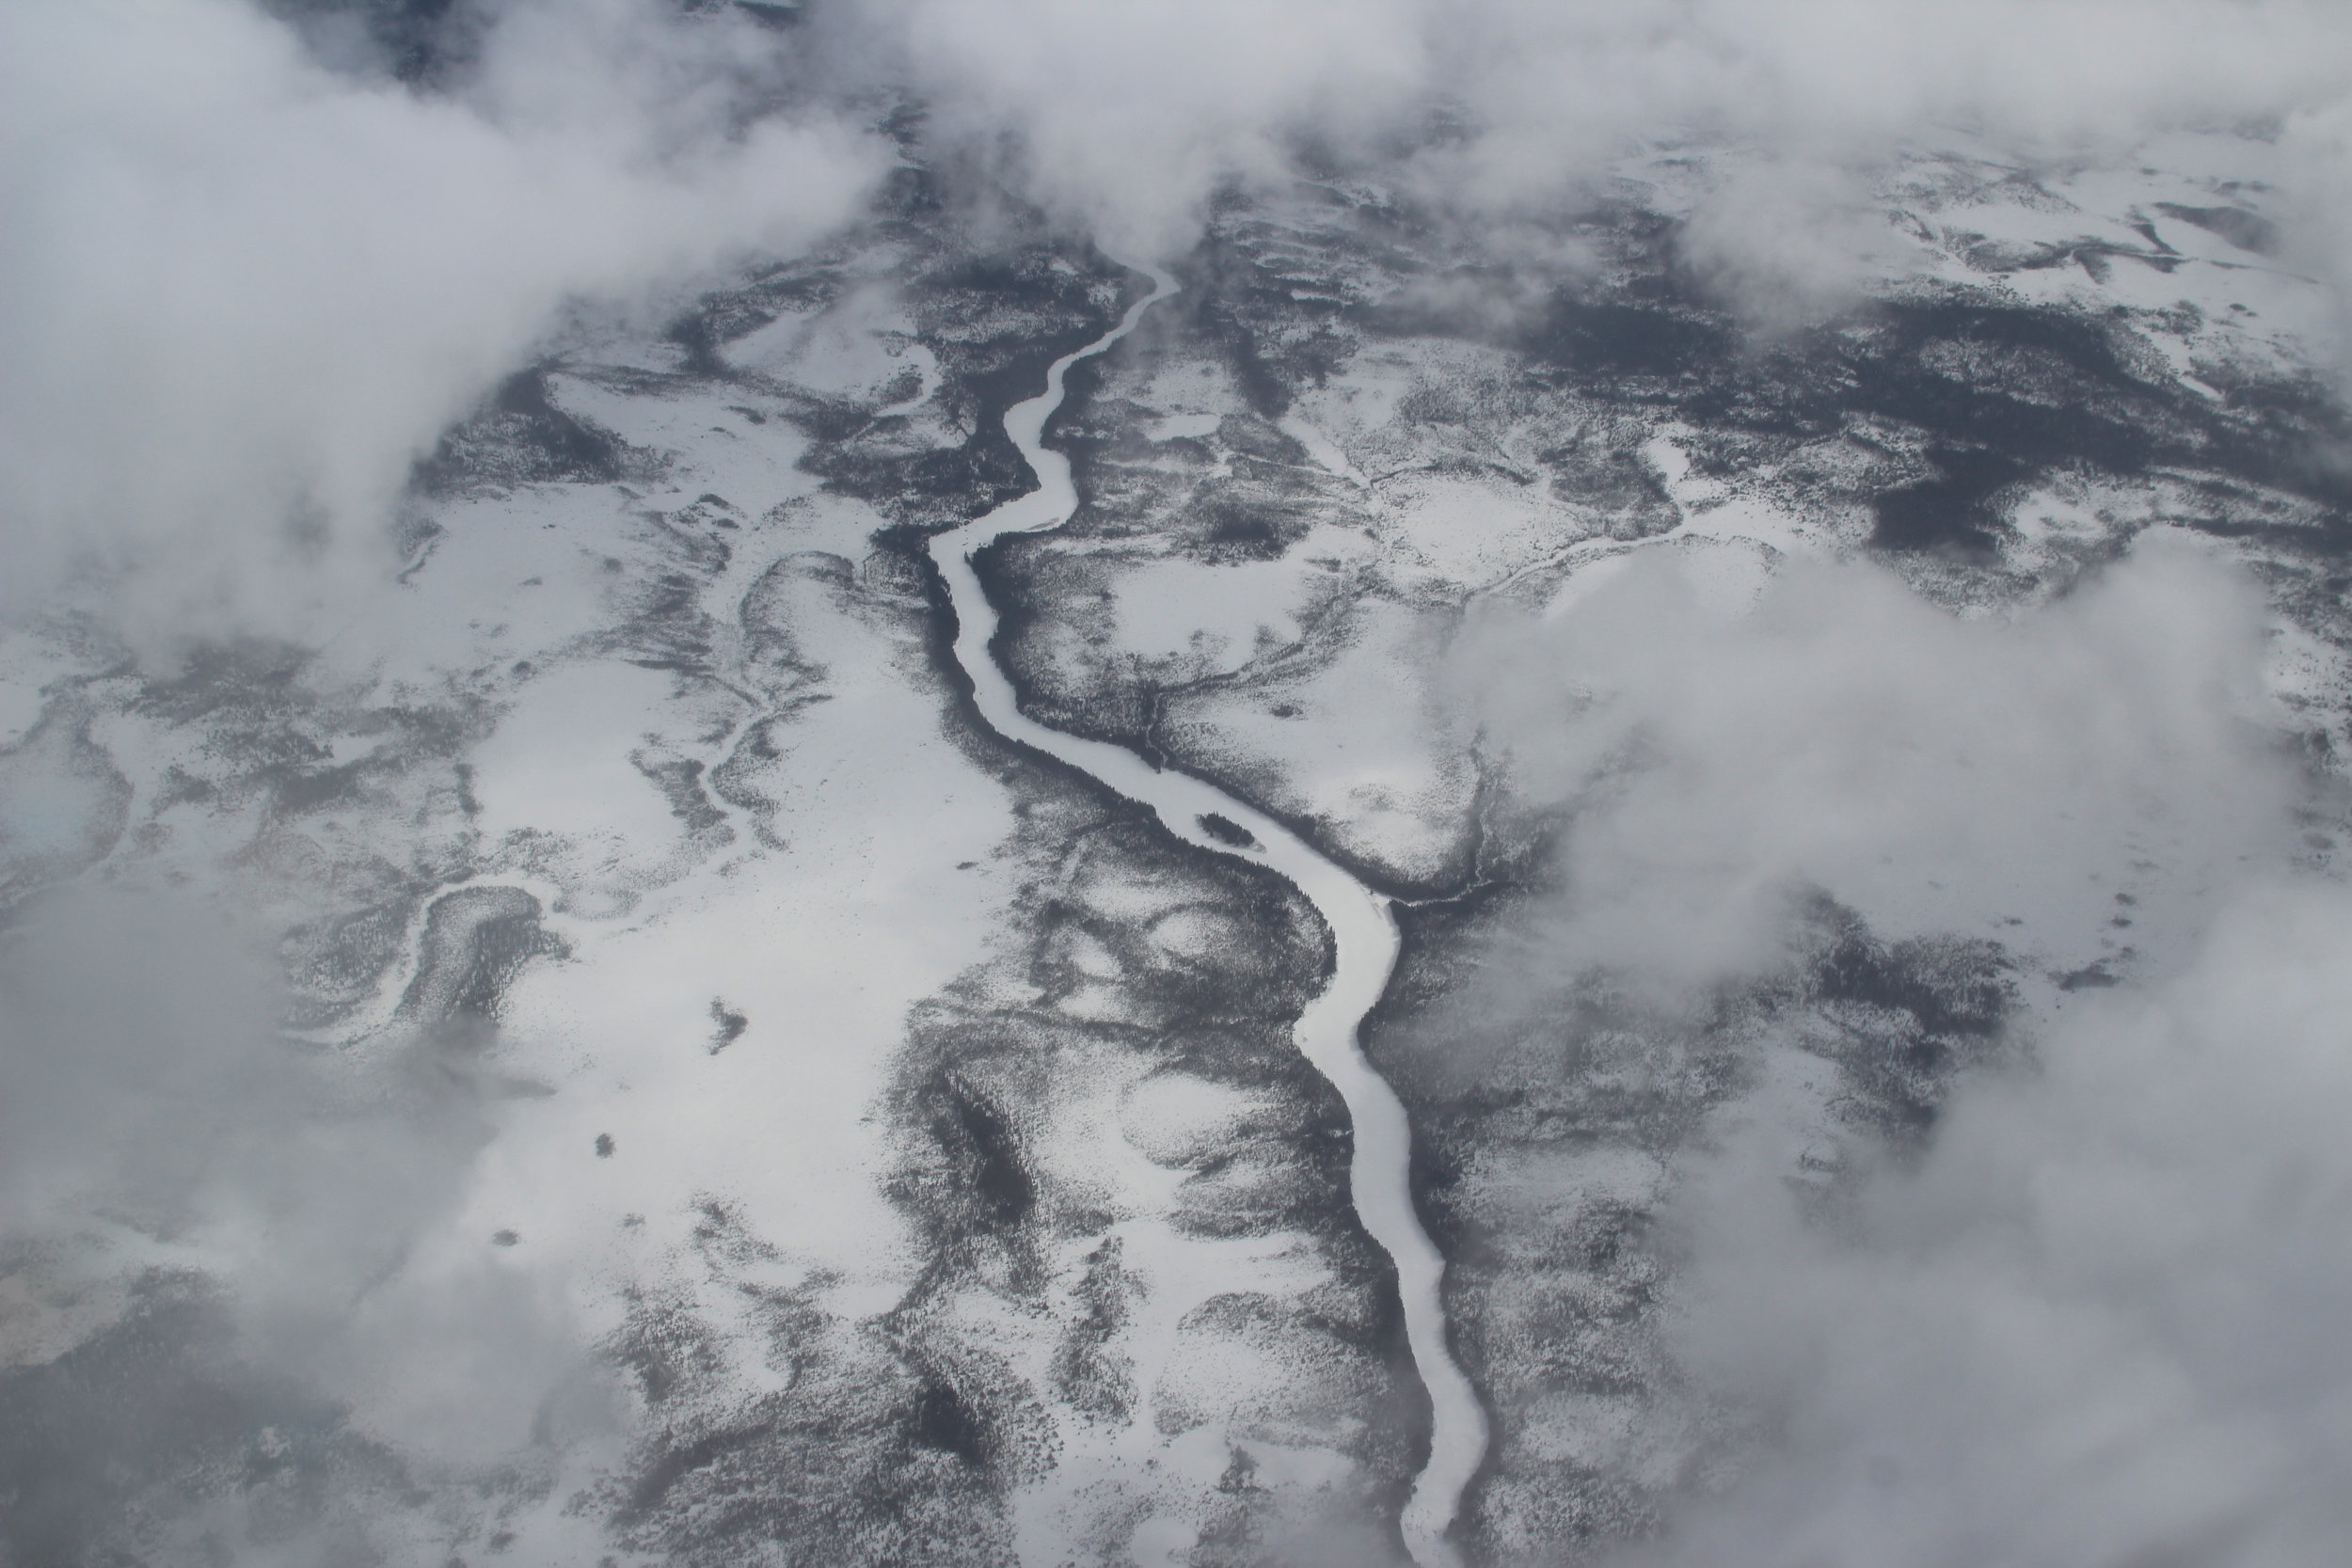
{"x":716,"y":1101}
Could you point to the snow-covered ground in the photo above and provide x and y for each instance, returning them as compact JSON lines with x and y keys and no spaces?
{"x":666,"y":1082}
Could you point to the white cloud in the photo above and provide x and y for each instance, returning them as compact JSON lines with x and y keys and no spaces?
{"x":1125,"y":118}
{"x":239,"y":294}
{"x":2095,"y":1317}
{"x":1841,"y":733}
{"x":2101,"y":1321}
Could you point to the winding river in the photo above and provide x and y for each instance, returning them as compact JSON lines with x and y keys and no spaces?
{"x":1363,"y":930}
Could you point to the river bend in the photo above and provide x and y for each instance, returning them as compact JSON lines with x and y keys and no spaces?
{"x":1364,"y":931}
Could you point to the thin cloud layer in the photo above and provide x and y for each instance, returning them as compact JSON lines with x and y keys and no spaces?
{"x":2091,"y":1318}
{"x":244,"y":291}
{"x":145,"y":1092}
{"x":2099,"y":1321}
{"x":1128,"y":120}
{"x":240,"y":293}
{"x":1721,"y":757}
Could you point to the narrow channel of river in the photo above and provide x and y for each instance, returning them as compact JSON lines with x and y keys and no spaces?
{"x":1363,"y":929}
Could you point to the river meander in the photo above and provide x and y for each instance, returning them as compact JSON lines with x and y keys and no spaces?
{"x":1363,"y":930}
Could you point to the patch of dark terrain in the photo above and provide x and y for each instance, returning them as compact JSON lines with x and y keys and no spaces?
{"x":119,"y":1449}
{"x":1047,"y":595}
{"x":1226,"y":830}
{"x":2006,"y":394}
{"x":521,"y":436}
{"x":1088,"y":1370}
{"x":402,"y":744}
{"x":262,"y":732}
{"x":1904,"y":1018}
{"x":2003,"y":395}
{"x":1272,"y":336}
{"x":424,"y":43}
{"x":57,"y":775}
{"x":1999,"y":393}
{"x":901,"y":554}
{"x":900,"y":1439}
{"x":680,"y":781}
{"x":996,"y":300}
{"x":2242,"y":227}
{"x":1551,"y":1109}
{"x":995,"y":324}
{"x":476,"y":941}
{"x":1651,"y":348}
{"x":271,"y":733}
{"x":727,"y":1025}
{"x":998,"y":1065}
{"x":2096,"y":257}
{"x":338,"y":960}
{"x":981,"y":1149}
{"x":863,"y":1455}
{"x":979,"y":1072}
{"x":1036,"y":584}
{"x":251,"y":683}
{"x":434,"y":45}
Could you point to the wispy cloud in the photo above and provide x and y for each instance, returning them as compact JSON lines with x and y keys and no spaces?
{"x":240,"y":293}
{"x":2097,"y":1322}
{"x":1723,"y":755}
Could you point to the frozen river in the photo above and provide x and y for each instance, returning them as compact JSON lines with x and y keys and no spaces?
{"x":1363,"y":930}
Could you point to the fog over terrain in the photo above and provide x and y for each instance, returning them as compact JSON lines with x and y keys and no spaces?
{"x":1803,"y":543}
{"x":247,"y":290}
